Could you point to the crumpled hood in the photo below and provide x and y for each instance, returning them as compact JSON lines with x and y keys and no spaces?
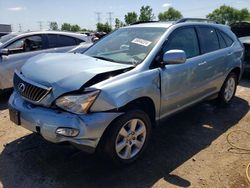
{"x":66,"y":72}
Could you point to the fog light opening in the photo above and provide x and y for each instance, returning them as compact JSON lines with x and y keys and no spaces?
{"x":68,"y":132}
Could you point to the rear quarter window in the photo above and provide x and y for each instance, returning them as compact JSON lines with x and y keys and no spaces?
{"x":67,"y":41}
{"x":227,"y":39}
{"x":221,"y":41}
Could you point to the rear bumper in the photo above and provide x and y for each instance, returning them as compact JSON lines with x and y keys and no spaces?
{"x":47,"y":120}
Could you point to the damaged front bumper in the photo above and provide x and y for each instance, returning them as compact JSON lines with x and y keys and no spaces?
{"x":46,"y":121}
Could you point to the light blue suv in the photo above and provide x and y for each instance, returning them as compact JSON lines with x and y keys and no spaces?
{"x":109,"y":98}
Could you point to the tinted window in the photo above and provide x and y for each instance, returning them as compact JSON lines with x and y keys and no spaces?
{"x":53,"y":41}
{"x":66,"y":41}
{"x":184,"y":39}
{"x":228,"y":40}
{"x":26,"y":44}
{"x":222,"y":41}
{"x":208,"y":39}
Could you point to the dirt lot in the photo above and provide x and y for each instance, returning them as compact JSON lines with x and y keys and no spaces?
{"x":188,"y":150}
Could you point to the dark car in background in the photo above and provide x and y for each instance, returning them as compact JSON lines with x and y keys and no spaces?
{"x":242,"y":31}
{"x":17,"y":48}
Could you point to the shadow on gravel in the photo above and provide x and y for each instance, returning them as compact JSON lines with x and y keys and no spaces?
{"x":245,"y":82}
{"x":4,"y":97}
{"x":32,"y":162}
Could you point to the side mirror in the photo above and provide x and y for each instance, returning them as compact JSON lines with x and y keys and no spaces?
{"x":174,"y":57}
{"x":4,"y":51}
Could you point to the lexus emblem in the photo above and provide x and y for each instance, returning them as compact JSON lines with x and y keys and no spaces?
{"x":21,"y":87}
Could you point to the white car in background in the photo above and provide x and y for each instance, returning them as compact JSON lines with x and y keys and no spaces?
{"x":16,"y":48}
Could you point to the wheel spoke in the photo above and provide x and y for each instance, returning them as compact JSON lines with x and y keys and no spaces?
{"x":123,"y":132}
{"x":226,"y":95}
{"x":140,"y":131}
{"x":120,"y":145}
{"x":128,"y":152}
{"x":133,"y":124}
{"x":138,"y":144}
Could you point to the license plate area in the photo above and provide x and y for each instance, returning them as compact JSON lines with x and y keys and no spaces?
{"x":15,"y":116}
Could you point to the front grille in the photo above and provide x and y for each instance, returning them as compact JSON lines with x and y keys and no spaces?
{"x":30,"y":91}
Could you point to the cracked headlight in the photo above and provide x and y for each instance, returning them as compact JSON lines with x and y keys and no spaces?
{"x":79,"y":104}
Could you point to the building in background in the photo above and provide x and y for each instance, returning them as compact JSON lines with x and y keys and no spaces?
{"x":5,"y":29}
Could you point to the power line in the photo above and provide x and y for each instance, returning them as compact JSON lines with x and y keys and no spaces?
{"x":40,"y":24}
{"x":110,"y":18}
{"x":98,"y":14}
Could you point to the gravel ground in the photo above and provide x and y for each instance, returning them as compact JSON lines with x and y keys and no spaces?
{"x":187,"y":150}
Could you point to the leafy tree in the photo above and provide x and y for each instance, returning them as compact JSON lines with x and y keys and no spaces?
{"x":130,"y":17}
{"x":53,"y":26}
{"x":227,"y":14}
{"x":103,"y":27}
{"x":75,"y":28}
{"x":66,"y":27}
{"x":170,"y":14}
{"x":146,"y":13}
{"x":118,"y":23}
{"x":84,"y":29}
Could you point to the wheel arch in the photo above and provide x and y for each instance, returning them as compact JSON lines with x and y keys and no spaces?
{"x":145,"y":104}
{"x":237,"y":71}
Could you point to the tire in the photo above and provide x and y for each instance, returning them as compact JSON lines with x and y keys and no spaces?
{"x":129,"y":132}
{"x":228,"y":89}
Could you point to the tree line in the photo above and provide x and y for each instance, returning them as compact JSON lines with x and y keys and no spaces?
{"x":224,"y":14}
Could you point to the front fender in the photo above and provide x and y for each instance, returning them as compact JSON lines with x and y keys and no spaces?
{"x":118,"y":93}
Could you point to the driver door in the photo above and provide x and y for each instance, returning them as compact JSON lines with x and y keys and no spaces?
{"x":175,"y":79}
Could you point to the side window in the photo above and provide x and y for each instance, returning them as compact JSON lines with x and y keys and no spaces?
{"x":221,"y":41}
{"x":228,"y":40}
{"x":26,"y":44}
{"x":53,"y":41}
{"x":184,"y":39}
{"x":208,"y":39}
{"x":66,"y":41}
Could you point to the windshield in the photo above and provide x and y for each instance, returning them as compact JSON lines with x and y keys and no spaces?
{"x":127,"y":45}
{"x":245,"y":39}
{"x":5,"y":38}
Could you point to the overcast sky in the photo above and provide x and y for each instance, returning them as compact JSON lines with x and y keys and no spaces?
{"x":31,"y":13}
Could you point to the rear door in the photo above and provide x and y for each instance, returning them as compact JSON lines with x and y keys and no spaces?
{"x":209,"y":70}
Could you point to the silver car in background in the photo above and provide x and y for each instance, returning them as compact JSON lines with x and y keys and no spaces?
{"x":109,"y":98}
{"x":17,"y":48}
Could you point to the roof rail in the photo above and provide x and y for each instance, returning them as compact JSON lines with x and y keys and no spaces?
{"x":140,"y":22}
{"x":196,"y":20}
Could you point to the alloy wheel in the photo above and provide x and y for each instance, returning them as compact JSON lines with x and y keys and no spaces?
{"x":130,"y":139}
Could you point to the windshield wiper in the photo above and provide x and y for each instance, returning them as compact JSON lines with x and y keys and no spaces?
{"x":111,"y":60}
{"x":104,"y":58}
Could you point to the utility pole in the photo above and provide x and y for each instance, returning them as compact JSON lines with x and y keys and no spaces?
{"x":40,"y":23}
{"x":110,"y":18}
{"x":20,"y":27}
{"x":48,"y":25}
{"x":98,"y":14}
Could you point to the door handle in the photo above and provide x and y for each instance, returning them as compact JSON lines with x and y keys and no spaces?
{"x":202,"y":63}
{"x":230,"y":53}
